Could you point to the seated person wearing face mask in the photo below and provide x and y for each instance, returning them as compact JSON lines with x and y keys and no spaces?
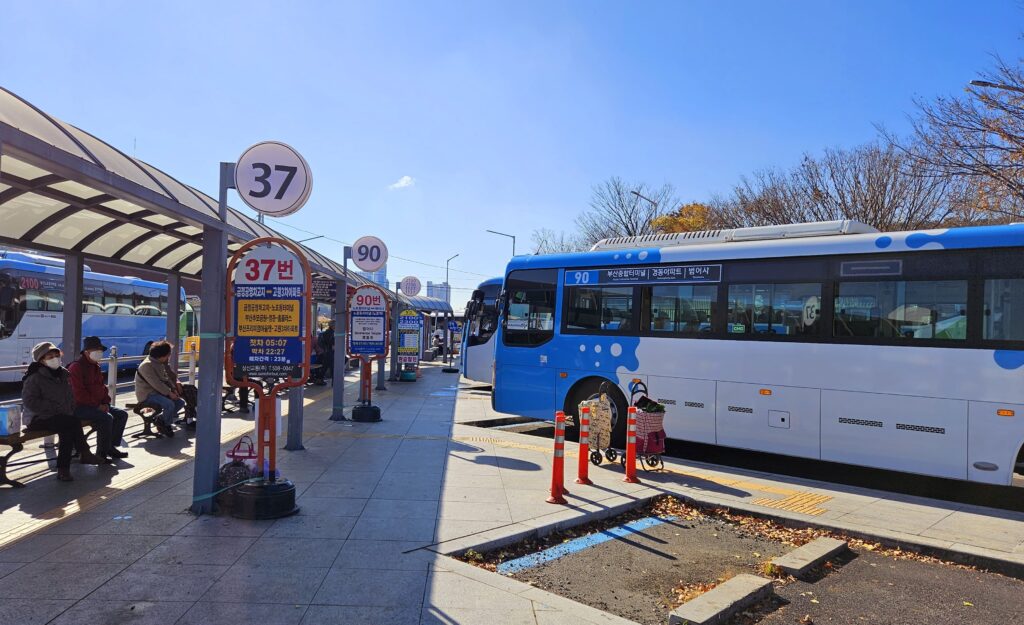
{"x":49,"y":403}
{"x":92,"y":402}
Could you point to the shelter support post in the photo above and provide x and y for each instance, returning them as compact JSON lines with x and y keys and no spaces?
{"x":211,"y":354}
{"x":174,"y":305}
{"x":396,"y":309}
{"x":381,"y":365}
{"x":74,"y":274}
{"x":340,"y":342}
{"x":447,"y":340}
{"x":295,"y":416}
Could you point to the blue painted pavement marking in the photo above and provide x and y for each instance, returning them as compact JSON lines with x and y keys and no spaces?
{"x":579,"y":544}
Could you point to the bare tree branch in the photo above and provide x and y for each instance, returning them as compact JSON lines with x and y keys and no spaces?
{"x":615,"y":211}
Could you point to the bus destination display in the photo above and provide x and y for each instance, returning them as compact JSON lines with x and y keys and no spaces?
{"x":676,"y":274}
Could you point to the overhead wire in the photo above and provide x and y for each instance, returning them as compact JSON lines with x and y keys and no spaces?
{"x":408,"y":260}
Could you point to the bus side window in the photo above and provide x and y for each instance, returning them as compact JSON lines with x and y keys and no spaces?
{"x":1004,"y":310}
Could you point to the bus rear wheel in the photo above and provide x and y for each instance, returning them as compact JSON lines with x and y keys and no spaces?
{"x":587,"y":388}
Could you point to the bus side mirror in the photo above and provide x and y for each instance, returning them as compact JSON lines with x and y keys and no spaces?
{"x":478,"y":296}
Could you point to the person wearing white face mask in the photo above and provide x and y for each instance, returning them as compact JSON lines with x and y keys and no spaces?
{"x":49,"y":403}
{"x":92,"y":401}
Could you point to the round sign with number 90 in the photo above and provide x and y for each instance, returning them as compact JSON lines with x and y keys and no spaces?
{"x":369,"y":253}
{"x":273,"y":179}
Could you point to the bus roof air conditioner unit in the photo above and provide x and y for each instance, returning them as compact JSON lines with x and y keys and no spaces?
{"x":736,"y":235}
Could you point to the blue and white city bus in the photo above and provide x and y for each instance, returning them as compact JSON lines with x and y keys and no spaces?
{"x":831,"y":340}
{"x":127,"y":312}
{"x":477,"y":358}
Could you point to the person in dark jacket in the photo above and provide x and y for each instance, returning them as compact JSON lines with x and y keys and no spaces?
{"x":49,"y":403}
{"x":92,"y":401}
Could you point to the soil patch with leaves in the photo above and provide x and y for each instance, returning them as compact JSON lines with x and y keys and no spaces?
{"x":878,"y":589}
{"x":644,"y":575}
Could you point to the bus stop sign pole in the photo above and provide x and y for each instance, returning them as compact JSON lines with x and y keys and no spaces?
{"x":270,"y":313}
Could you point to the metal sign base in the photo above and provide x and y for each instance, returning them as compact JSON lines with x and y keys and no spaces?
{"x":366,"y":414}
{"x":264,"y":500}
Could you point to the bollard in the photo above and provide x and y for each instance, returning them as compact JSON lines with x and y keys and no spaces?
{"x":558,"y":463}
{"x":583,"y":474}
{"x":192,"y":364}
{"x":631,"y":447}
{"x":112,"y":375}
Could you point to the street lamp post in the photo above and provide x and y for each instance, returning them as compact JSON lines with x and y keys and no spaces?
{"x":511,"y":236}
{"x":447,"y":330}
{"x":996,"y":85}
{"x":644,"y":197}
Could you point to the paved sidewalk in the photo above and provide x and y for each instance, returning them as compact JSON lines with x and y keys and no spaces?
{"x":977,"y":533}
{"x":379,"y":503}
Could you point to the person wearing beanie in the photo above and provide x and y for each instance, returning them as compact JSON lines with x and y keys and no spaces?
{"x":92,"y":401}
{"x":156,"y":383}
{"x":49,"y":404}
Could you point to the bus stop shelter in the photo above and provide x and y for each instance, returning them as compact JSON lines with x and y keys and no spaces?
{"x":432,"y":309}
{"x":64,"y":191}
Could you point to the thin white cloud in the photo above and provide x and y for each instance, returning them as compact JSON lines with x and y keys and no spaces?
{"x":403,"y":182}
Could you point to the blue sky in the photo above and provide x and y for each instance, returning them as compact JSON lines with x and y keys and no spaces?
{"x":502,"y":114}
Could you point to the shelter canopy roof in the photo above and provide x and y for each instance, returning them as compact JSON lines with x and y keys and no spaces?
{"x":63,"y":190}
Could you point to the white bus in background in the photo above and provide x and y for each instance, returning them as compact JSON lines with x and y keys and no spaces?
{"x":129,"y":313}
{"x":477,"y":358}
{"x":831,"y":341}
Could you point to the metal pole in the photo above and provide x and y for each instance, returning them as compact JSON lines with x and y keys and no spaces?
{"x":395,"y":310}
{"x":448,"y":336}
{"x":174,"y":316}
{"x":191,"y":365}
{"x":340,"y":341}
{"x":73,"y":276}
{"x":295,"y":409}
{"x":211,"y":353}
{"x":380,"y":375}
{"x":112,"y":375}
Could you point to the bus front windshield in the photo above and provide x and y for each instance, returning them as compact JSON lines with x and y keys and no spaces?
{"x":8,"y":305}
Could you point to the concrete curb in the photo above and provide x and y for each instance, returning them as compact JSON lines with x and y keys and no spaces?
{"x":722,"y":602}
{"x":543,"y":599}
{"x":801,"y":560}
{"x":960,"y":554}
{"x":542,"y":526}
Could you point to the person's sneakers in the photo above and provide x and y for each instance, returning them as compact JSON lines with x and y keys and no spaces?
{"x":117,"y":453}
{"x":163,"y":428}
{"x":191,"y":425}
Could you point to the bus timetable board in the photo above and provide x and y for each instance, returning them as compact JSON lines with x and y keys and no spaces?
{"x":367,"y":336}
{"x":410,"y":326}
{"x":269,"y":314}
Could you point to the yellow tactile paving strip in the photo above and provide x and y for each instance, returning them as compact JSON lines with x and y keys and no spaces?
{"x":95,"y":498}
{"x":804,"y":503}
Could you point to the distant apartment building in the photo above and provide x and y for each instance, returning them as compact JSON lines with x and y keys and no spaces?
{"x":379,"y":277}
{"x":439,"y":290}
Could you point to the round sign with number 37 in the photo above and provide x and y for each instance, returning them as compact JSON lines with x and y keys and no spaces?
{"x":273,"y":179}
